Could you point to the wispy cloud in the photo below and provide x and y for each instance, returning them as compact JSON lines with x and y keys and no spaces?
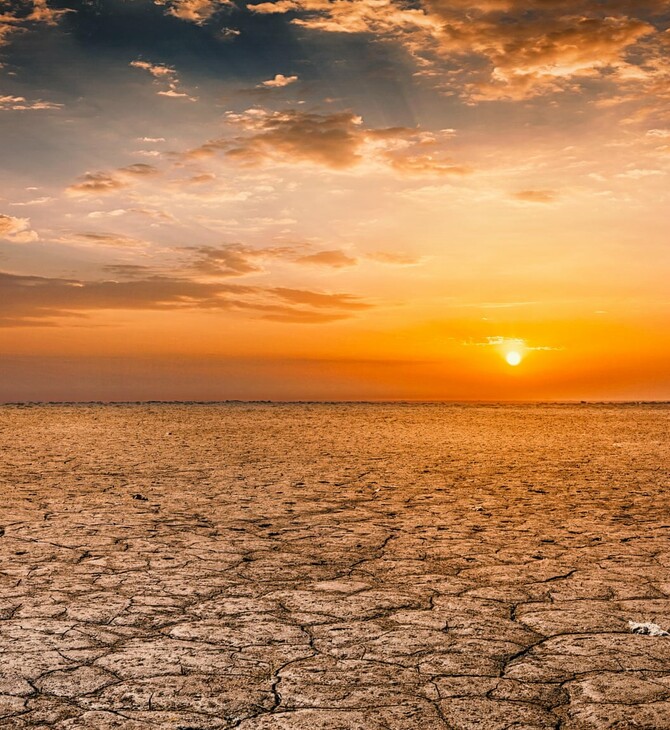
{"x":535,"y":196}
{"x":21,"y":104}
{"x":166,"y":74}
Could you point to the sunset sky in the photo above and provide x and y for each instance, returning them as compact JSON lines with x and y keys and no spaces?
{"x":334,"y":199}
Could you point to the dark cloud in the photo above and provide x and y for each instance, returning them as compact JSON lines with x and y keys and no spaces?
{"x":37,"y":300}
{"x":332,"y":140}
{"x":338,"y":141}
{"x":94,"y":184}
{"x":235,"y":259}
{"x":127,"y":271}
{"x":321,"y":301}
{"x":114,"y":240}
{"x":336,"y":259}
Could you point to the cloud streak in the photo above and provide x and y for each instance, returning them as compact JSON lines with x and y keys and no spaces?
{"x":45,"y":301}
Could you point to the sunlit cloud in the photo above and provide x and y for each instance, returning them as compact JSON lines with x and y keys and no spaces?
{"x":444,"y":178}
{"x":20,"y":16}
{"x":16,"y":230}
{"x":166,"y":74}
{"x":279,"y":81}
{"x":516,"y":54}
{"x":21,"y":104}
{"x":194,"y":11}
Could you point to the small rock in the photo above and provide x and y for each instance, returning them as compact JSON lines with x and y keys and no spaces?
{"x":648,"y":629}
{"x":141,"y":497}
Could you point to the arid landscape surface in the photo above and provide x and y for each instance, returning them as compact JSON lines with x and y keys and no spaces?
{"x":334,"y":567}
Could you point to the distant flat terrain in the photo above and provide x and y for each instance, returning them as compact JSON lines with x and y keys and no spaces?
{"x":334,"y":567}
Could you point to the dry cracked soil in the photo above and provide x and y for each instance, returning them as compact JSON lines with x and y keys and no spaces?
{"x":334,"y":567}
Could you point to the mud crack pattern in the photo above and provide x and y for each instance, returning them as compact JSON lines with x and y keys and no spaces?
{"x":334,"y":567}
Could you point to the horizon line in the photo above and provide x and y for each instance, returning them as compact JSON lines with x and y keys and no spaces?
{"x":386,"y":401}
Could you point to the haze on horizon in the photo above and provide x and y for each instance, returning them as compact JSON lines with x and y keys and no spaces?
{"x":348,"y":199}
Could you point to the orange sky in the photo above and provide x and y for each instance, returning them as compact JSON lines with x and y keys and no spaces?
{"x":305,"y":199}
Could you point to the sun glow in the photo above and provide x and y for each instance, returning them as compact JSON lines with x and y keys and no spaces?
{"x":513,"y":358}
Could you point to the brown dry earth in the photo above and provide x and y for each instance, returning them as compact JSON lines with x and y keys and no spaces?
{"x":334,"y":567}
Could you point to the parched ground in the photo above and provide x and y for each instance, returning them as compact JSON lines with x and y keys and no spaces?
{"x":334,"y":567}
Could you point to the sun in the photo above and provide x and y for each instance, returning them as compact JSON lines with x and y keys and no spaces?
{"x":513,"y":358}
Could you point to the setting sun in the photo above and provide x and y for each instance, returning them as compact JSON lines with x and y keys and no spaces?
{"x":302,"y":199}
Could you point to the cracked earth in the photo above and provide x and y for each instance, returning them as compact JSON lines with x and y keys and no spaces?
{"x":334,"y":567}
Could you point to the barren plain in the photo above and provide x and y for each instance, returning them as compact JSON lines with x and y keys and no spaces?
{"x":334,"y":567}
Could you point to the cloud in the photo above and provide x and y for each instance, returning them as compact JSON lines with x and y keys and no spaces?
{"x":318,"y":300}
{"x":167,"y":74}
{"x":174,"y":93}
{"x":20,"y":103}
{"x":335,"y":259}
{"x":16,"y":230}
{"x":139,"y":169}
{"x":498,"y":49}
{"x":394,"y":259}
{"x":157,"y":70}
{"x":535,"y":196}
{"x":21,"y":15}
{"x":95,"y":239}
{"x":236,"y":259}
{"x":128,"y":271}
{"x":331,"y":140}
{"x":94,"y":184}
{"x":157,"y":215}
{"x":640,"y":174}
{"x":338,"y":141}
{"x":279,"y":81}
{"x":291,"y":315}
{"x":194,"y":11}
{"x":277,"y":7}
{"x":35,"y":201}
{"x":36,"y":300}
